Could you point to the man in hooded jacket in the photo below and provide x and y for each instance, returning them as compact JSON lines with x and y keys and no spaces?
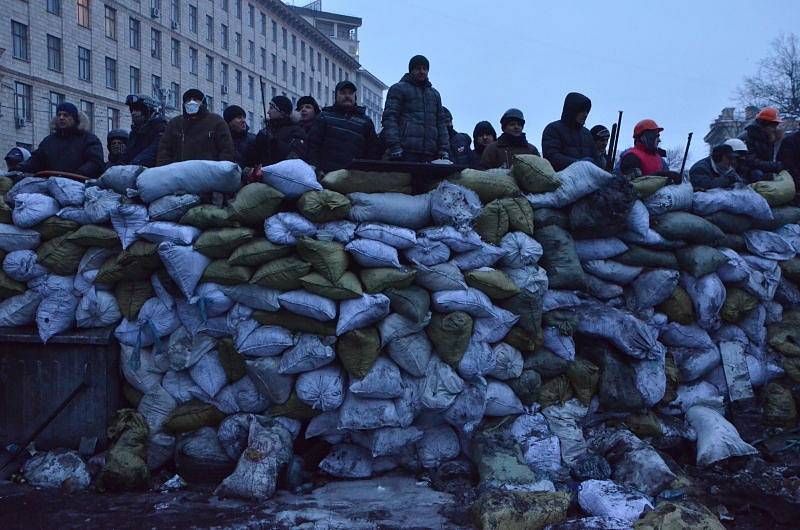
{"x":196,"y":134}
{"x":567,"y":140}
{"x":147,"y":127}
{"x":414,"y":122}
{"x":116,"y":143}
{"x":460,"y":152}
{"x":483,"y":134}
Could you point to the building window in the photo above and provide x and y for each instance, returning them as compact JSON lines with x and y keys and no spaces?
{"x":155,"y":83}
{"x":340,"y":74}
{"x":327,"y":95}
{"x":327,"y":67}
{"x":19,"y":33}
{"x":155,"y":43}
{"x":83,"y":13}
{"x":224,"y":35}
{"x":238,"y":77}
{"x":274,"y":32}
{"x":56,"y":99}
{"x":134,"y":33}
{"x":251,"y":87}
{"x":84,"y":64}
{"x":237,"y":40}
{"x":294,"y":76}
{"x":175,"y":95}
{"x":284,"y":38}
{"x":111,"y":22}
{"x":319,"y":62}
{"x":274,"y":92}
{"x":294,"y":44}
{"x":23,"y":94}
{"x":54,"y":7}
{"x":111,"y":73}
{"x":193,"y":19}
{"x":326,"y":28}
{"x":209,"y":28}
{"x":274,"y":65}
{"x":225,"y":5}
{"x":303,"y":50}
{"x":284,"y":70}
{"x":239,"y":9}
{"x":209,"y":68}
{"x":224,"y":74}
{"x":311,"y":56}
{"x":319,"y":90}
{"x":136,"y":81}
{"x":175,"y":53}
{"x":263,"y":58}
{"x":310,"y":85}
{"x":210,"y":103}
{"x":251,"y":52}
{"x":251,"y":15}
{"x":87,"y":107}
{"x":113,"y":118}
{"x":193,"y":61}
{"x":264,"y":24}
{"x":302,"y":82}
{"x":54,"y":53}
{"x":175,"y":12}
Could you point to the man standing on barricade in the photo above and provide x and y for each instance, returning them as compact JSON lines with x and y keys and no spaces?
{"x":500,"y":154}
{"x":147,"y":126}
{"x":566,"y":140}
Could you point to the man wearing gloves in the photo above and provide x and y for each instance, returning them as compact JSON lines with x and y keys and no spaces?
{"x":414,"y":121}
{"x":566,"y":141}
{"x":196,"y":134}
{"x":500,"y":154}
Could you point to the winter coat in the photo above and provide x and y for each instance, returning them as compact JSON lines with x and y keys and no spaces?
{"x":205,"y":136}
{"x":339,"y":136}
{"x":414,"y":119}
{"x":705,"y":175}
{"x":142,"y":148}
{"x":758,"y":143}
{"x":74,"y":150}
{"x":282,"y":139}
{"x":500,"y":154}
{"x":564,"y":141}
{"x":244,"y":144}
{"x":460,"y":153}
{"x":638,"y":157}
{"x":789,"y":156}
{"x":475,"y":156}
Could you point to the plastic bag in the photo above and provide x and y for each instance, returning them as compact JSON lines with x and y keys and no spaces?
{"x":196,"y":177}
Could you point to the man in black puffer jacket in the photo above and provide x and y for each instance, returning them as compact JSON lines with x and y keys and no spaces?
{"x":243,"y":140}
{"x":460,"y":152}
{"x":282,"y":138}
{"x":341,"y":133}
{"x":413,"y":120}
{"x":566,"y":141}
{"x":147,"y":127}
{"x":71,"y":148}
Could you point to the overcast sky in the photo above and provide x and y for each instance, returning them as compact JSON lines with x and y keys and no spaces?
{"x":677,"y":62}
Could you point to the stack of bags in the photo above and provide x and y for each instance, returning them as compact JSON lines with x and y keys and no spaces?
{"x":395,"y":326}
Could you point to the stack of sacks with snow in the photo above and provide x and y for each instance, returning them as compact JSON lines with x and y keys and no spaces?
{"x":395,"y":326}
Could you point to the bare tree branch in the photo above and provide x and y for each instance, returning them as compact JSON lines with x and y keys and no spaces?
{"x":777,"y":81}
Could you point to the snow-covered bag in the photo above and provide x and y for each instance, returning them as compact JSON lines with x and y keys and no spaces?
{"x":285,"y":228}
{"x":127,"y":220}
{"x":211,"y":300}
{"x":99,"y":203}
{"x":165,"y":231}
{"x":764,"y":277}
{"x":428,"y":252}
{"x":89,"y":267}
{"x":394,"y":236}
{"x":371,"y":253}
{"x":521,"y":250}
{"x":209,"y":374}
{"x":66,"y":191}
{"x":184,"y":349}
{"x":184,"y":265}
{"x":309,"y":353}
{"x":171,"y":207}
{"x":632,"y":336}
{"x":22,"y":265}
{"x":361,"y":312}
{"x":398,"y":209}
{"x":196,"y":177}
{"x":180,"y":386}
{"x":454,"y":205}
{"x":14,"y":238}
{"x":467,"y":410}
{"x":672,"y":198}
{"x":30,"y":209}
{"x":291,"y":177}
{"x":577,"y":181}
{"x":97,"y":309}
{"x":457,"y":240}
{"x":322,"y":389}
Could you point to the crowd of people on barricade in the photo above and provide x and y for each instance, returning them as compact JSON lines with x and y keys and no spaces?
{"x":416,"y":128}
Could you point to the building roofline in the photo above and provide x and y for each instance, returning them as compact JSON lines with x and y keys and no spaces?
{"x":364,"y":71}
{"x":328,"y":15}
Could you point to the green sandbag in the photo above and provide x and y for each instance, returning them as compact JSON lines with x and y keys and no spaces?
{"x":131,"y":296}
{"x":140,"y":256}
{"x":489,"y":185}
{"x":60,"y":256}
{"x":283,"y":274}
{"x":412,"y":302}
{"x":221,"y":242}
{"x":519,"y":510}
{"x":351,"y":181}
{"x":648,"y":184}
{"x":192,"y":416}
{"x":492,"y":224}
{"x":778,"y":191}
{"x":95,"y":236}
{"x":565,"y":321}
{"x":6,"y":183}
{"x":679,"y":515}
{"x":733,"y":242}
{"x":379,"y":279}
{"x":527,"y":386}
{"x":254,"y":203}
{"x":779,"y":408}
{"x":731,"y":223}
{"x":221,"y":272}
{"x":560,"y":259}
{"x":345,"y":288}
{"x":549,"y":216}
{"x":584,"y":377}
{"x":10,"y":287}
{"x":678,"y":307}
{"x":323,"y":206}
{"x":131,"y":395}
{"x":646,"y":257}
{"x":644,"y":425}
{"x":521,"y":339}
{"x":785,"y":338}
{"x":168,"y":283}
{"x":534,"y":174}
{"x":673,"y":376}
{"x":699,"y":260}
{"x":358,"y":349}
{"x":791,"y":365}
{"x":791,"y":269}
{"x":495,"y":283}
{"x":205,"y":216}
{"x":326,"y":257}
{"x":125,"y":465}
{"x":231,"y":360}
{"x":737,"y":304}
{"x":294,"y":408}
{"x":547,"y":363}
{"x":110,"y":272}
{"x":450,"y":334}
{"x":556,"y":391}
{"x":782,"y":215}
{"x":297,"y":323}
{"x":5,"y":212}
{"x":55,"y":226}
{"x":520,"y":214}
{"x":257,"y":253}
{"x":688,"y":227}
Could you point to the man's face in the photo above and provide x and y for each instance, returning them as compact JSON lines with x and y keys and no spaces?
{"x":581,"y":117}
{"x":420,"y":73}
{"x":138,"y":116}
{"x":601,"y":144}
{"x":238,"y":124}
{"x":116,"y":146}
{"x":484,"y":139}
{"x":346,"y":98}
{"x":307,"y":112}
{"x":513,"y":127}
{"x":274,"y":113}
{"x":64,"y":120}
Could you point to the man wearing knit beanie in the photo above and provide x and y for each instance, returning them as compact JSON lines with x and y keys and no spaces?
{"x":243,"y":140}
{"x":414,"y":121}
{"x":601,"y":135}
{"x":309,"y":110}
{"x":482,"y":135}
{"x":71,"y":148}
{"x":282,"y":138}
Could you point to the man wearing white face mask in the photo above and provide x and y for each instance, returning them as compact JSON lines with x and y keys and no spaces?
{"x":196,"y":134}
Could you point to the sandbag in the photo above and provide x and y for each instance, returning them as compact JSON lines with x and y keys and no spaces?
{"x":534,"y":174}
{"x":603,"y":213}
{"x":127,"y":220}
{"x":221,"y":242}
{"x":672,"y":198}
{"x":717,"y":438}
{"x":442,"y":277}
{"x":94,"y":236}
{"x":649,"y":184}
{"x":699,"y":260}
{"x":161,"y":231}
{"x":309,"y":353}
{"x":768,"y":245}
{"x":559,"y":258}
{"x":492,"y":223}
{"x":653,"y":287}
{"x":427,"y":252}
{"x":645,"y":257}
{"x":741,"y":201}
{"x":258,"y":252}
{"x":410,"y":211}
{"x":612,"y":271}
{"x":489,"y":185}
{"x":22,"y":265}
{"x":344,"y":288}
{"x":322,"y":388}
{"x":14,"y":238}
{"x":53,"y":227}
{"x":19,"y":310}
{"x":55,"y":314}
{"x":708,"y":295}
{"x":286,"y":228}
{"x":603,"y":248}
{"x":308,"y":304}
{"x":291,"y":177}
{"x":778,"y":191}
{"x":195,"y":177}
{"x":440,"y":386}
{"x":577,"y":181}
{"x":684,"y":226}
{"x":30,"y":209}
{"x":131,"y":296}
{"x":282,"y":274}
{"x":205,"y":216}
{"x":60,"y":255}
{"x":361,"y":312}
{"x":184,"y":265}
{"x":254,"y":203}
{"x":171,"y":207}
{"x":462,"y":240}
{"x":120,"y":178}
{"x":632,"y":336}
{"x":486,"y":256}
{"x":737,"y":303}
{"x":493,"y":282}
{"x":454,"y":205}
{"x":352,"y":181}
{"x":98,"y":205}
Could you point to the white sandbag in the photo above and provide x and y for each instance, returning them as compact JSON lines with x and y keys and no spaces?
{"x":13,"y":238}
{"x":301,"y":302}
{"x":347,"y":461}
{"x":195,"y":177}
{"x":592,"y":249}
{"x":155,"y":320}
{"x":309,"y":353}
{"x":638,"y":219}
{"x":442,"y":277}
{"x":672,"y":198}
{"x":561,"y":345}
{"x":399,"y":209}
{"x":254,"y":296}
{"x":768,"y":245}
{"x":66,"y":191}
{"x":128,"y":220}
{"x":291,"y":177}
{"x":604,"y":498}
{"x":428,"y":252}
{"x":156,"y":406}
{"x":632,"y":336}
{"x":209,"y":374}
{"x":89,"y":267}
{"x":736,"y":269}
{"x":97,"y":309}
{"x":612,"y":271}
{"x":601,"y":289}
{"x":458,"y":240}
{"x":394,"y":236}
{"x":708,"y":296}
{"x":56,"y":313}
{"x":471,"y":301}
{"x":437,"y":446}
{"x":285,"y":228}
{"x":262,"y":341}
{"x":247,"y":396}
{"x":19,"y":310}
{"x":382,"y":381}
{"x":501,"y":400}
{"x":577,"y":181}
{"x":270,"y":382}
{"x":322,"y":389}
{"x":27,"y":185}
{"x":56,"y":469}
{"x":741,"y":201}
{"x":682,"y":336}
{"x":467,"y":410}
{"x":554,"y":299}
{"x":754,"y":325}
{"x":99,"y":203}
{"x":184,"y":265}
{"x":700,"y":392}
{"x":180,"y":386}
{"x":387,"y":441}
{"x":411,"y":352}
{"x":790,"y":234}
{"x":650,"y":238}
{"x":486,"y":256}
{"x":146,"y":374}
{"x":340,"y":231}
{"x":509,"y":362}
{"x":211,"y":300}
{"x":165,"y":231}
{"x":694,"y":363}
{"x":78,"y":215}
{"x":120,"y":178}
{"x":364,"y":413}
{"x":371,"y":253}
{"x":521,"y":250}
{"x":50,"y":283}
{"x":171,"y":207}
{"x":717,"y":438}
{"x":30,"y":209}
{"x":564,"y":421}
{"x":440,"y":386}
{"x":361,"y":312}
{"x":184,"y":349}
{"x":653,"y":287}
{"x":454,"y":205}
{"x":494,"y":328}
{"x":764,"y":278}
{"x":409,"y":405}
{"x":477,"y":362}
{"x":395,"y":327}
{"x":21,"y":265}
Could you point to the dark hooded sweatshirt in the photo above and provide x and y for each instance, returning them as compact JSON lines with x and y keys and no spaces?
{"x":204,"y":136}
{"x":564,"y":141}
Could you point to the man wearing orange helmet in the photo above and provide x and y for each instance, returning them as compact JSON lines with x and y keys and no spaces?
{"x":644,"y":158}
{"x":761,"y":138}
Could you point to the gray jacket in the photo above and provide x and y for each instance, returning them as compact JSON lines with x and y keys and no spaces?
{"x":413,"y":119}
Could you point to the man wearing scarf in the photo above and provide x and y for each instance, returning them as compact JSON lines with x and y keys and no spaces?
{"x":500,"y":154}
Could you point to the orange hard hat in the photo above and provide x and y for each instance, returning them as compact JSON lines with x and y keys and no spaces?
{"x":769,"y":114}
{"x":646,"y":125}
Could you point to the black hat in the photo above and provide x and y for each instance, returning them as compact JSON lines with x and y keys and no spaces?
{"x":418,"y":60}
{"x":599,"y":132}
{"x":512,"y":114}
{"x":308,"y":100}
{"x":283,"y":104}
{"x":483,"y":127}
{"x":233,"y":111}
{"x":117,"y":134}
{"x":193,"y":93}
{"x":345,"y":84}
{"x":721,"y":150}
{"x":70,"y":109}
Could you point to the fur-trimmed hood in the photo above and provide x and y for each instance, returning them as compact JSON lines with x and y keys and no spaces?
{"x":84,"y":123}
